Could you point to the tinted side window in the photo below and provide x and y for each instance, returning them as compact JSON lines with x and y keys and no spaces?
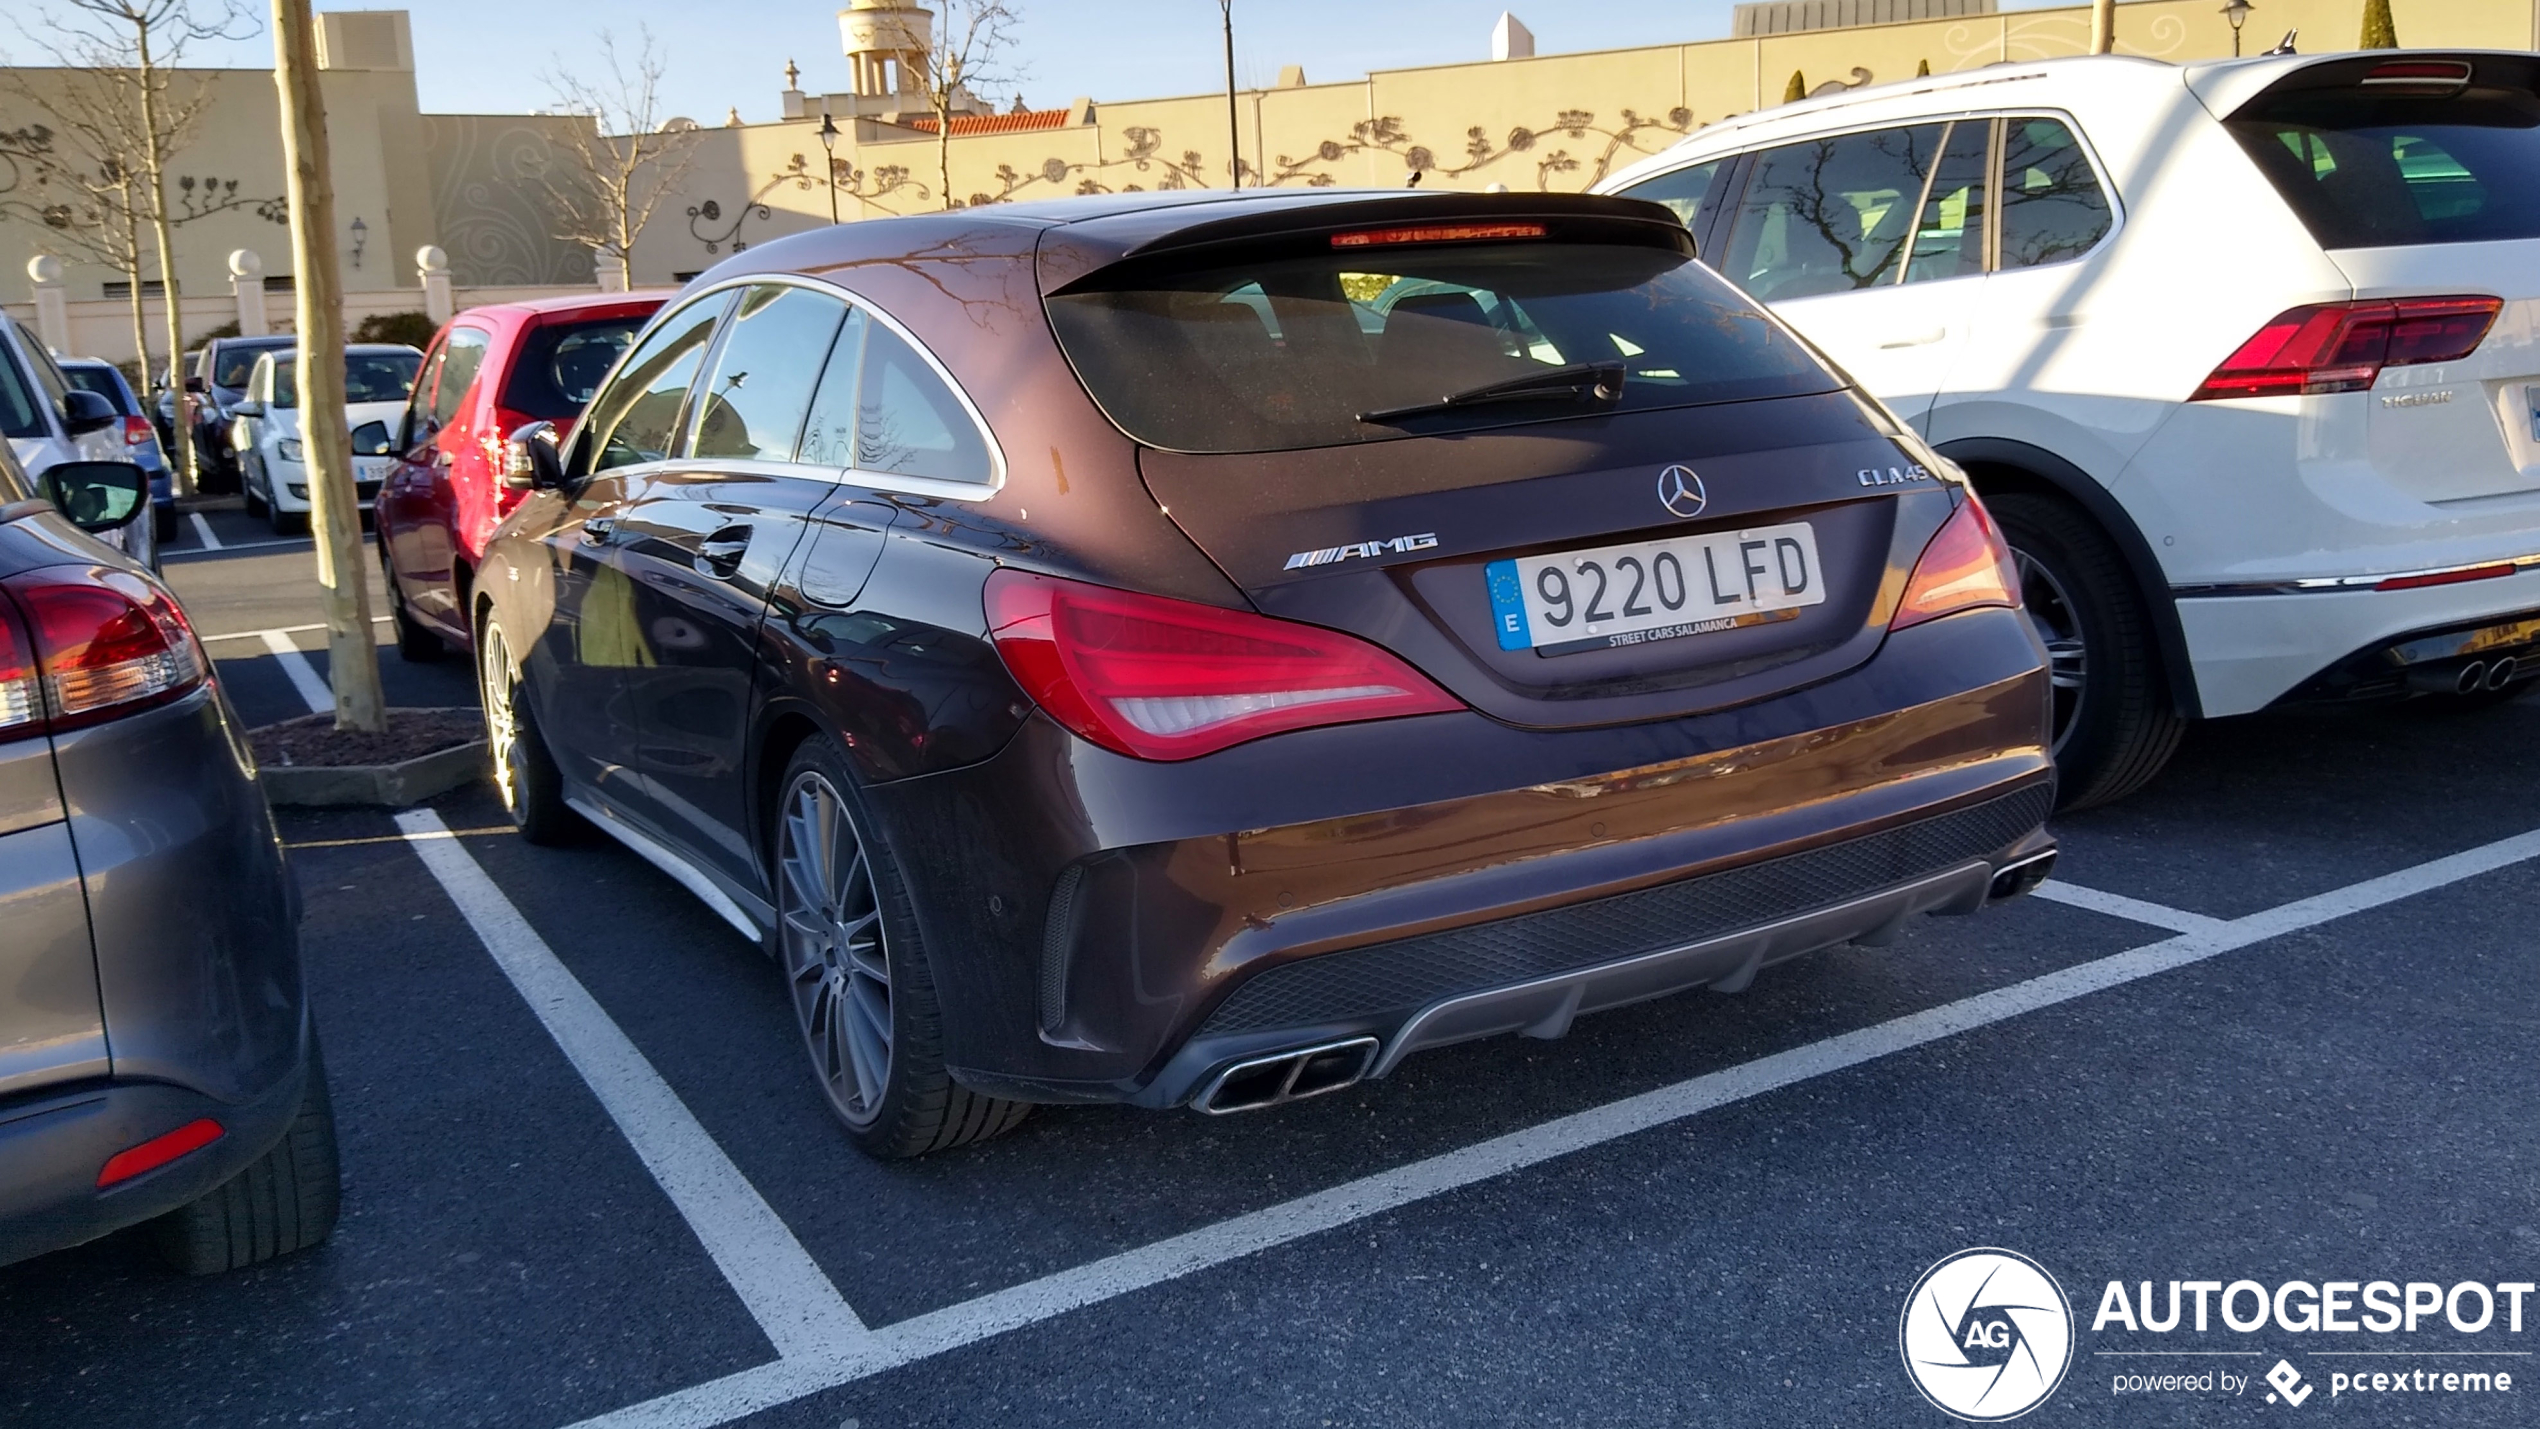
{"x":1949,"y":242}
{"x":908,"y":422}
{"x":1688,"y":190}
{"x":2052,"y":205}
{"x":829,"y":435}
{"x":634,"y":420}
{"x":1829,"y":215}
{"x":20,"y":416}
{"x":458,"y":370}
{"x":752,"y":407}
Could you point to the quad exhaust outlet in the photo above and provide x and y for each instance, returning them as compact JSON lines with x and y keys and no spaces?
{"x":1282,"y":1077}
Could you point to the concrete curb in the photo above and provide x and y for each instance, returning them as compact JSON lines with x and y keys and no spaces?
{"x":392,"y":785}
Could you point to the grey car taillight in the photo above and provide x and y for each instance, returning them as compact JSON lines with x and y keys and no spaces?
{"x":105,"y":642}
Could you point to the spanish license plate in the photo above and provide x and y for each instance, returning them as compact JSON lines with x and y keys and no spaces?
{"x":1654,"y":590}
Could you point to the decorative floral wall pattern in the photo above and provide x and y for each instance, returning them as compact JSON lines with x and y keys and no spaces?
{"x":489,"y":211}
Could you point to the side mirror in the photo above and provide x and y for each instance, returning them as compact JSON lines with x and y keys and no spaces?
{"x":248,"y":408}
{"x":371,"y":439}
{"x":84,"y":411}
{"x":98,"y":495}
{"x":531,"y":460}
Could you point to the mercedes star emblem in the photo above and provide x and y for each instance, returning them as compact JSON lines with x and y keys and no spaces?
{"x":1680,"y":491}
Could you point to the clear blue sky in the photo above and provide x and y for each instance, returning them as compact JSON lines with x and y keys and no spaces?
{"x":485,"y":55}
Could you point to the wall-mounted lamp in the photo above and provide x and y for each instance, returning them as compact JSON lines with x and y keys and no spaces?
{"x":361,"y":239}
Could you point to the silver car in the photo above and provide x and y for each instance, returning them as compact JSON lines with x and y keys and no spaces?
{"x":49,"y":419}
{"x":157,"y":1059}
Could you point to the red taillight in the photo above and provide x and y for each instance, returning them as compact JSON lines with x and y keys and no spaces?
{"x":2342,"y":347}
{"x":2487,"y":572}
{"x":1167,"y":679}
{"x":107,"y":642}
{"x":1966,"y":565}
{"x":158,"y":1151}
{"x":1436,"y":233}
{"x":137,"y":431}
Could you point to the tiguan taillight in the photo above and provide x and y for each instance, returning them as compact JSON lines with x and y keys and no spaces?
{"x":106,"y":643}
{"x":2342,"y":347}
{"x":1966,"y":565}
{"x":1168,"y":679}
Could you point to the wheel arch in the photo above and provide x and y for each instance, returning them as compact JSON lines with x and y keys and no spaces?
{"x":1998,"y":464}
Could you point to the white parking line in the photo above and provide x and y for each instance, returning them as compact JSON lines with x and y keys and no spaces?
{"x":303,"y":675}
{"x":2133,"y":910}
{"x":203,"y":531}
{"x":761,"y":1387}
{"x":280,"y":630}
{"x":794,"y":1303}
{"x":235,"y":546}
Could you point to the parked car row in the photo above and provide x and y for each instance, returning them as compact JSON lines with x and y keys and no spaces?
{"x":265,"y":436}
{"x":2245,"y":356}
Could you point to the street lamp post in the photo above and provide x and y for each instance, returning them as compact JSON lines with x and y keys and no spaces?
{"x":1234,"y":128}
{"x":361,"y":240}
{"x":829,"y":169}
{"x":2237,"y":12}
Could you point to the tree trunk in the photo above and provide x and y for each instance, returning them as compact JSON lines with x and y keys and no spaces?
{"x":334,"y":508}
{"x":2103,"y":27}
{"x":154,"y":162}
{"x":943,"y":144}
{"x":131,"y":265}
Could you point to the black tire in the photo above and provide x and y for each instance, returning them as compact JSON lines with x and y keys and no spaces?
{"x":416,"y":645}
{"x":2115,"y":725}
{"x":911,"y":1106}
{"x":285,"y":1200}
{"x":525,"y":774}
{"x":249,"y":497}
{"x":284,"y":523}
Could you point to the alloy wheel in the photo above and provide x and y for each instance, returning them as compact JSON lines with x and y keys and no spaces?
{"x":502,"y":721}
{"x":2058,"y":623}
{"x":836,"y":964}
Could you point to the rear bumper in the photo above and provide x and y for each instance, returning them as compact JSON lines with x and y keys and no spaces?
{"x":54,"y":1143}
{"x":1111,"y":930}
{"x":2253,"y":650}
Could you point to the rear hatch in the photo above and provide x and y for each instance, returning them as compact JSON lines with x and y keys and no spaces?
{"x":2419,"y":173}
{"x":1540,"y":453}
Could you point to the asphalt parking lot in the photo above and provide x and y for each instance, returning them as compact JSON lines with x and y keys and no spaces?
{"x":2275,"y":1020}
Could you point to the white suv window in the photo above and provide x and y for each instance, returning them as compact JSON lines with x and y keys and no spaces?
{"x":1949,"y":242}
{"x":1829,"y":215}
{"x":2052,"y":205}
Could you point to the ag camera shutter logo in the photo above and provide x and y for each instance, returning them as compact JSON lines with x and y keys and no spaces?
{"x":1986,"y":1335}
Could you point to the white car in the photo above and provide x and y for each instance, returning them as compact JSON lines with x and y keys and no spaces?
{"x":2245,"y":356}
{"x":48,"y":421}
{"x":265,"y":432}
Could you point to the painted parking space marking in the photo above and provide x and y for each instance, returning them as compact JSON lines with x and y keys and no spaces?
{"x":793,"y":1377}
{"x":302,"y":674}
{"x":202,"y":532}
{"x":797,"y":1306}
{"x":2133,"y":910}
{"x":281,"y":630}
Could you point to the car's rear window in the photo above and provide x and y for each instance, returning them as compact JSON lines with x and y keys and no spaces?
{"x":2370,"y":169}
{"x":560,"y":365}
{"x":1297,"y":351}
{"x":101,"y":381}
{"x":233,"y":361}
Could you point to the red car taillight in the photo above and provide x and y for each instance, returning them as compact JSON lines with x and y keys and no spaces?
{"x":2342,"y":347}
{"x":1168,"y":679}
{"x":21,"y":703}
{"x":137,"y":431}
{"x":1966,"y":565}
{"x":105,"y":643}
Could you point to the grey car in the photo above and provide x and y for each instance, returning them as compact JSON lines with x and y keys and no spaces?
{"x":157,"y":1058}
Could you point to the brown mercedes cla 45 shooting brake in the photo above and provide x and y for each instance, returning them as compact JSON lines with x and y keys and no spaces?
{"x":1199,"y":649}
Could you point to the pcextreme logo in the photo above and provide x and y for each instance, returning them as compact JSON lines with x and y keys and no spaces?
{"x":1986,"y":1335}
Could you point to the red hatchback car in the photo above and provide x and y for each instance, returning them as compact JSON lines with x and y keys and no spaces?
{"x":490,"y":370}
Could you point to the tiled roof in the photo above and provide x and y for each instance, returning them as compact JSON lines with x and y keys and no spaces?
{"x":1023,"y":123}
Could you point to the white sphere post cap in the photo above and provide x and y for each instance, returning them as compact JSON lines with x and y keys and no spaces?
{"x":431,"y":259}
{"x":44,"y":268}
{"x":243,"y":263}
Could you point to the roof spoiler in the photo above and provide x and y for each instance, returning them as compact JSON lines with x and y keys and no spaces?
{"x":2228,"y":88}
{"x":1074,"y":254}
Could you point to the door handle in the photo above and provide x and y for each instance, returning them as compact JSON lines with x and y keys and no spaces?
{"x":719,"y":555}
{"x":599,"y":530}
{"x":1920,"y":339}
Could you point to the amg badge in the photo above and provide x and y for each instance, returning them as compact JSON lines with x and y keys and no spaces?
{"x":1330,"y":554}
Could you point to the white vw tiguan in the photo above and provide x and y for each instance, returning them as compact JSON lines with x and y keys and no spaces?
{"x":2245,"y":356}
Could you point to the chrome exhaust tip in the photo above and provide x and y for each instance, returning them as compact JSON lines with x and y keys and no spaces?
{"x":2022,"y":876}
{"x":2473,"y":675}
{"x":1258,"y":1083}
{"x":2500,"y":671}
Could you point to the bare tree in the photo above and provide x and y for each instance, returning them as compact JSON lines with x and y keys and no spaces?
{"x":126,"y":49}
{"x":965,"y":49}
{"x":625,"y":162}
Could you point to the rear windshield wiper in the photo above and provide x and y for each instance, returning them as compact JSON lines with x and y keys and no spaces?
{"x":1598,"y":382}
